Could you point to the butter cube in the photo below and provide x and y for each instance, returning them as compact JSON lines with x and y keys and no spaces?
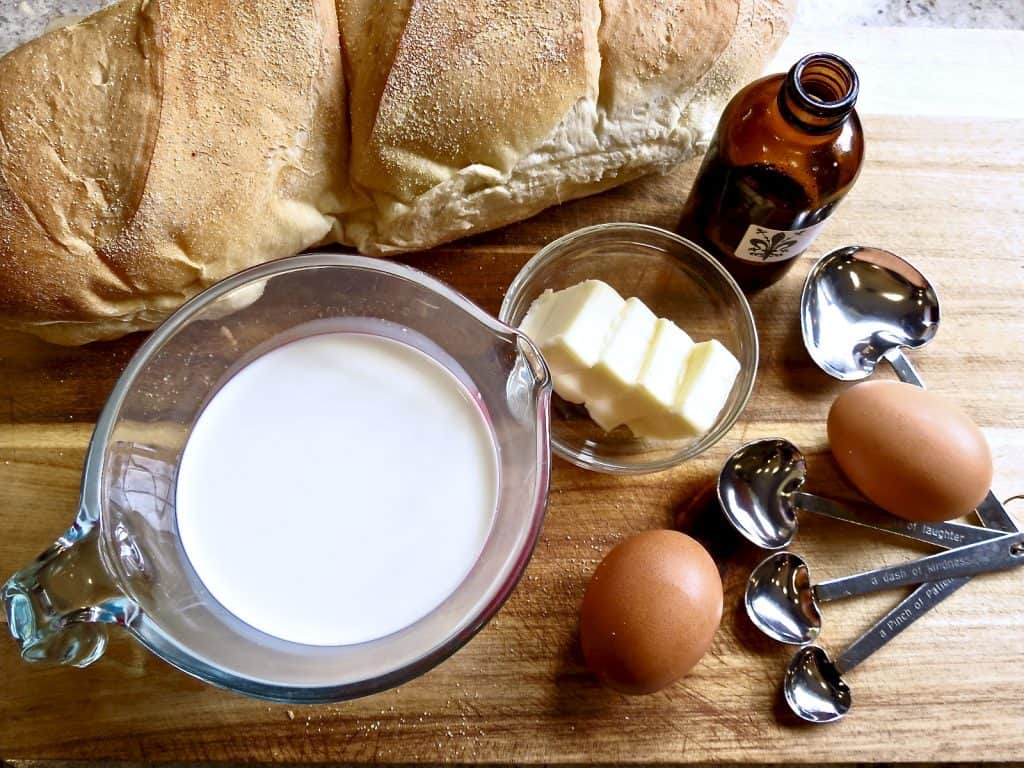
{"x":572,"y":328}
{"x":622,"y":358}
{"x":654,"y":391}
{"x":663,"y":371}
{"x":605,"y":414}
{"x":710,"y":372}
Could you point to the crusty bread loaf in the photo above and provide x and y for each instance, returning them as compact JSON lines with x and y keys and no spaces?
{"x":160,"y":145}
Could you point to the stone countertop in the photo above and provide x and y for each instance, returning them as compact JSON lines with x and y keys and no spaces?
{"x":21,"y":20}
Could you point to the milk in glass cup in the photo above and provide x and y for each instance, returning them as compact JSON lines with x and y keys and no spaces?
{"x":385,"y":592}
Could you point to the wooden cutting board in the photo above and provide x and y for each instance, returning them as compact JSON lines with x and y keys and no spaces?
{"x":946,"y":191}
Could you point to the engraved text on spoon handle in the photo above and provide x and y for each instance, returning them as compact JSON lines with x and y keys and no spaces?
{"x":913,"y":607}
{"x":1005,"y":552}
{"x":941,"y":534}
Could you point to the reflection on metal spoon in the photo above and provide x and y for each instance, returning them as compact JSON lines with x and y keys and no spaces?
{"x":781,"y":601}
{"x":860,"y":305}
{"x":759,"y":492}
{"x":814,"y":687}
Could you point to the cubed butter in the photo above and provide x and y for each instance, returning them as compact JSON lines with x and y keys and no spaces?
{"x":710,"y":372}
{"x":654,"y":391}
{"x":628,"y":366}
{"x":571,"y":327}
{"x":621,"y":360}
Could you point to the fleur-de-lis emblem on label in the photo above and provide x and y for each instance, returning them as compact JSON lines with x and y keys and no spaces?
{"x":767,"y":246}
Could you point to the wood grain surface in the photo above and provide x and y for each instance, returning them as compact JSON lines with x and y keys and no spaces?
{"x":949,"y":194}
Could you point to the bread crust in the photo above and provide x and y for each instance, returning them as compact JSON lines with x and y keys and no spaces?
{"x":658,"y":91}
{"x":160,"y":145}
{"x":75,"y":151}
{"x":242,"y":109}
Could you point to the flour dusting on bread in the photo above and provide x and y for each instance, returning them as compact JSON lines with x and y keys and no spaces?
{"x":160,"y":145}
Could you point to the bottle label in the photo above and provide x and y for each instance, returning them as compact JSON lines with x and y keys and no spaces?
{"x":762,"y":244}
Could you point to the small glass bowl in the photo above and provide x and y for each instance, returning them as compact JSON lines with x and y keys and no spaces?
{"x":677,"y":280}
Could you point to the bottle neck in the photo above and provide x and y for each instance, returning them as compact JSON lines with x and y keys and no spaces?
{"x":819,"y":92}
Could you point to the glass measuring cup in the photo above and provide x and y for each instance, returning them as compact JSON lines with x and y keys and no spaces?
{"x":122,"y":563}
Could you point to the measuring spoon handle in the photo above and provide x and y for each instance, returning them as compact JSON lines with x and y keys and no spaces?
{"x":1007,"y":551}
{"x":994,"y":514}
{"x":903,"y":367}
{"x":945,"y":535}
{"x":909,"y":610}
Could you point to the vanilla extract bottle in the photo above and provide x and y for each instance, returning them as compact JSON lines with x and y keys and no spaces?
{"x":787,"y":149}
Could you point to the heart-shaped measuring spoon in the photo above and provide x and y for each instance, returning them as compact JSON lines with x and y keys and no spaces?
{"x":860,"y":305}
{"x":814,"y":687}
{"x":783,"y":604}
{"x":759,"y":492}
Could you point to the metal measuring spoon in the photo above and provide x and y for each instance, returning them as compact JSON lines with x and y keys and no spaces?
{"x":814,"y":687}
{"x":783,"y":604}
{"x":759,"y":492}
{"x":860,"y":305}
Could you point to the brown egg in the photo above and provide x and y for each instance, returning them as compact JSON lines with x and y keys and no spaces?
{"x":650,"y":611}
{"x":910,"y":451}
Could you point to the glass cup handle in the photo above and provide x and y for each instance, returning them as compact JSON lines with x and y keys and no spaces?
{"x":58,"y":606}
{"x":531,"y":354}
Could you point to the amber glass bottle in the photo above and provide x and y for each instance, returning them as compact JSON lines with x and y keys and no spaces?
{"x":787,"y":149}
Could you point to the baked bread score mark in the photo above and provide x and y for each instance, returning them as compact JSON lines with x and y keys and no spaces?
{"x":671,"y":50}
{"x":244,"y":152}
{"x":160,"y":145}
{"x":474,"y":82}
{"x":75,"y":150}
{"x":657,"y":91}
